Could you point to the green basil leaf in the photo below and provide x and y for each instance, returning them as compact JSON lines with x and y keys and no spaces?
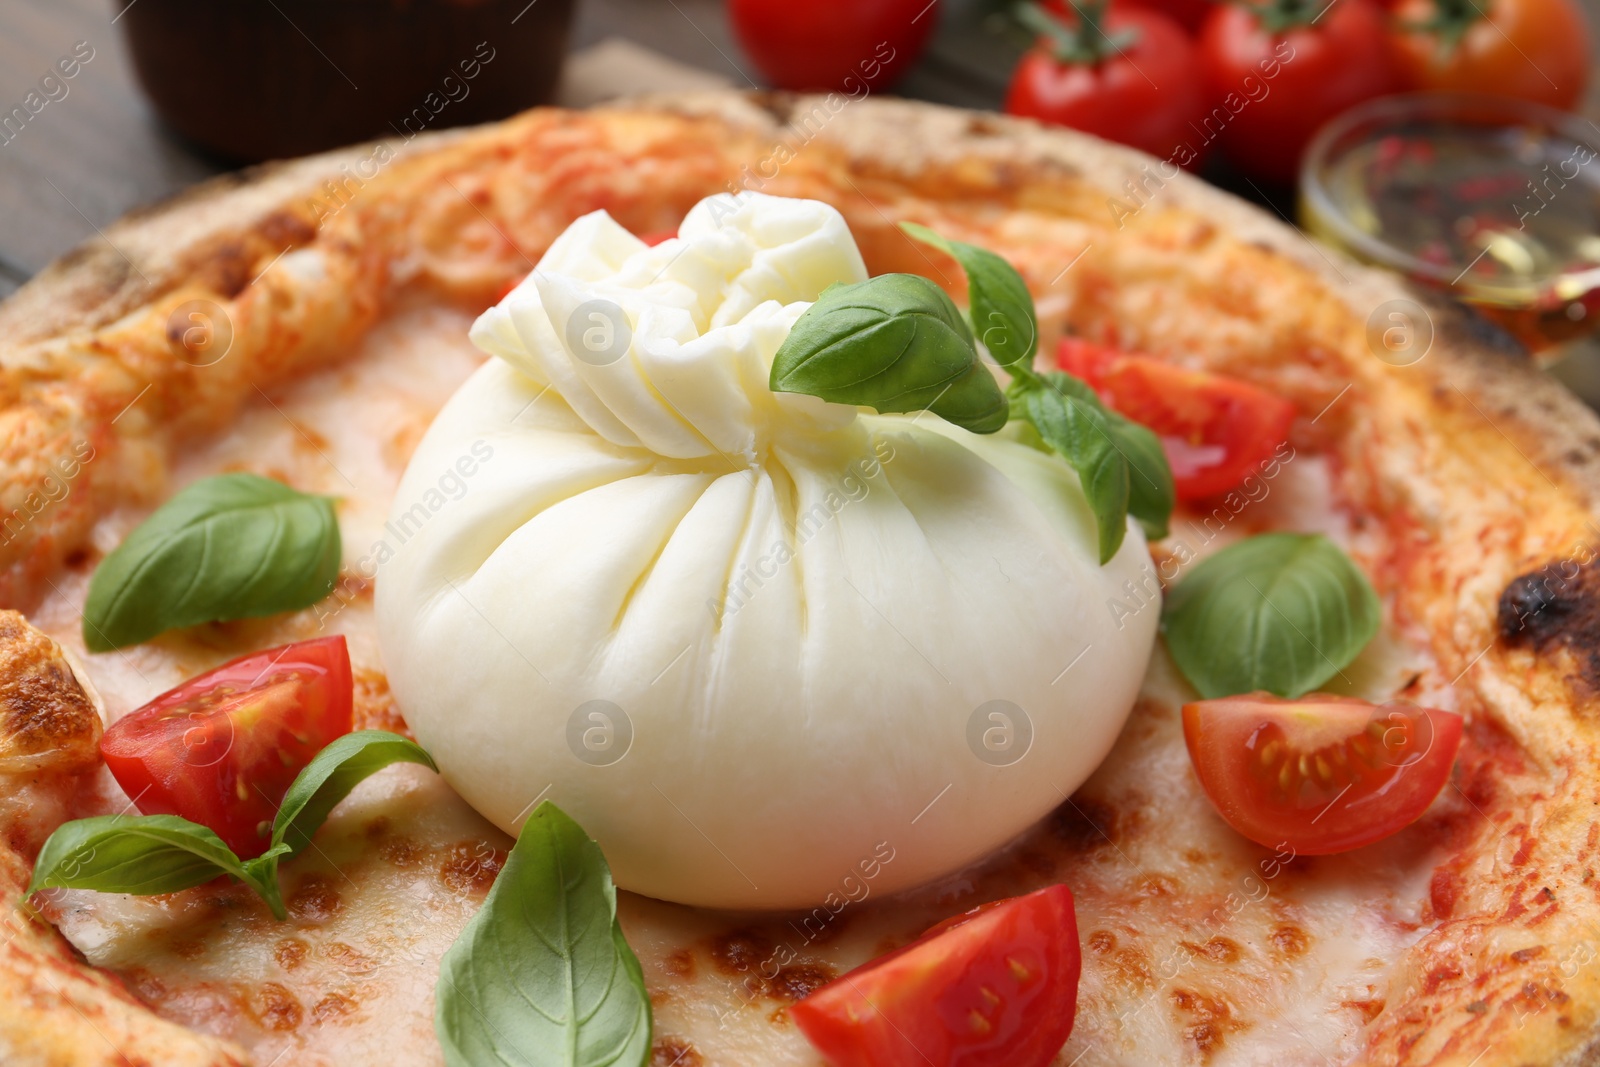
{"x":231,"y":547}
{"x":141,"y":854}
{"x":541,"y":976}
{"x":1150,"y":490}
{"x":344,"y":764}
{"x":147,"y":854}
{"x":1071,"y":420}
{"x":1002,"y":308}
{"x":1282,"y":612}
{"x":894,"y":343}
{"x":341,"y":766}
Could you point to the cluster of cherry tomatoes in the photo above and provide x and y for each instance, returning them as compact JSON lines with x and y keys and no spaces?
{"x":1182,"y":79}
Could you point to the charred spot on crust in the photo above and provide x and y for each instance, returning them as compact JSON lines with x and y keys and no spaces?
{"x":1290,"y":940}
{"x":980,"y":125}
{"x":680,"y":964}
{"x":800,"y":980}
{"x":1207,"y":1020}
{"x":290,"y":953}
{"x":740,"y":952}
{"x":226,"y":268}
{"x":315,"y":900}
{"x":1218,"y":949}
{"x":1558,"y":604}
{"x":470,"y":867}
{"x":349,"y":959}
{"x":275,"y":1008}
{"x":778,"y":104}
{"x":674,"y":1052}
{"x":332,"y":1006}
{"x":282,"y":229}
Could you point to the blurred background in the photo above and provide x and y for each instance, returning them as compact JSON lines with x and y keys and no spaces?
{"x":1308,"y":107}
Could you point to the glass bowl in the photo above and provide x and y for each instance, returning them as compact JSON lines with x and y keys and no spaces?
{"x":1496,"y":200}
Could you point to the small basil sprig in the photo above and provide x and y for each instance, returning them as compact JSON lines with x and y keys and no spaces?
{"x":1282,"y":612}
{"x":896,"y":343}
{"x":1002,"y":307}
{"x":1151,"y":493}
{"x":145,"y":854}
{"x":1119,"y":463}
{"x":235,"y":546}
{"x":1072,"y":421}
{"x":542,"y":975}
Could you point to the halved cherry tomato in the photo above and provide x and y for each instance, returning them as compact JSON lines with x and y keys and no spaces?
{"x":221,"y":749}
{"x":1322,"y":773}
{"x":995,"y":987}
{"x":1215,"y":430}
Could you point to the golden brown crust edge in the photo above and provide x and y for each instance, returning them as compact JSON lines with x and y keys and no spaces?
{"x":193,"y":240}
{"x":53,"y":1009}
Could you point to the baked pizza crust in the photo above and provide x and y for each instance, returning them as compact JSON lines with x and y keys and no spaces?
{"x":1477,"y":474}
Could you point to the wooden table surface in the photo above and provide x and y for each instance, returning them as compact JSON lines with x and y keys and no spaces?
{"x":94,"y":154}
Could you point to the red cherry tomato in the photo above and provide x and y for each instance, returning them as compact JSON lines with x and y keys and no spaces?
{"x":996,"y":987}
{"x":1146,"y":89}
{"x":658,"y":237}
{"x":1272,"y":90}
{"x":1534,"y":49}
{"x":854,"y":46}
{"x":1322,"y":773}
{"x":221,"y":749}
{"x":1215,"y":430}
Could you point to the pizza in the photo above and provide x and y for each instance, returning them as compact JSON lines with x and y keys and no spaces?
{"x":303,"y":325}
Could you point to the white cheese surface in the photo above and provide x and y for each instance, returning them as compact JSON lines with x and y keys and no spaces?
{"x":743,"y":638}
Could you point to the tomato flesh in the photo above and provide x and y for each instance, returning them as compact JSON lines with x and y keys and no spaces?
{"x":1216,"y":431}
{"x":222,"y":748}
{"x":995,"y":987}
{"x":1322,"y":773}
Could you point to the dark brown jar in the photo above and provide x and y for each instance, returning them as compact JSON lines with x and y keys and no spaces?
{"x":266,"y":79}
